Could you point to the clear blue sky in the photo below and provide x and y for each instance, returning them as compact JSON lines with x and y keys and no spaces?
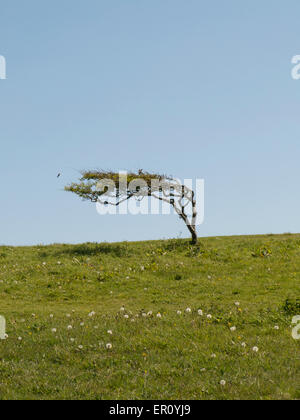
{"x":193,"y":88}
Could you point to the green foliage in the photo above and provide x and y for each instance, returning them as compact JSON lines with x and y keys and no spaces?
{"x":292,"y":306}
{"x":87,"y":189}
{"x":263,"y":252}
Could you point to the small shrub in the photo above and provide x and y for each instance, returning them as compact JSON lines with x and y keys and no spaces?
{"x":292,"y":306}
{"x":262,"y":252}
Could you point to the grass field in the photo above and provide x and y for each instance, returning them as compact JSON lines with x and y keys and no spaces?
{"x":64,"y":304}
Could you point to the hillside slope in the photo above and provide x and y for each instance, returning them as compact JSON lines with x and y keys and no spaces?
{"x":60,"y":301}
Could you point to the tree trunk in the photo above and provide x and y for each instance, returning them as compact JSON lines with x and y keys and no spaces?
{"x":193,"y":231}
{"x":191,"y":225}
{"x":194,"y":238}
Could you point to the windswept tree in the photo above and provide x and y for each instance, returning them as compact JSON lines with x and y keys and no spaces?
{"x":113,"y":188}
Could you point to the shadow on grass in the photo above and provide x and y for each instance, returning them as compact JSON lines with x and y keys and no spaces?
{"x":94,"y":250}
{"x":183,"y":246}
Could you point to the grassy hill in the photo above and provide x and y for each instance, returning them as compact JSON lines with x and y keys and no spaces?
{"x":60,"y":302}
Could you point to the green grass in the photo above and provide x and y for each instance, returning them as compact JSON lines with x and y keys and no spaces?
{"x":151,"y":358}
